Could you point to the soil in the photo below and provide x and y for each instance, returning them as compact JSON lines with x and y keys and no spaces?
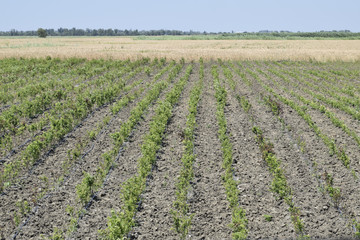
{"x":20,"y":141}
{"x":127,"y":166}
{"x":51,"y":165}
{"x":255,"y":180}
{"x":322,"y":219}
{"x":304,"y":159}
{"x":207,"y":194}
{"x":153,"y":218}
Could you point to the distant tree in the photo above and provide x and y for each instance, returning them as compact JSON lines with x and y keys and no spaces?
{"x":41,"y":33}
{"x":342,"y":34}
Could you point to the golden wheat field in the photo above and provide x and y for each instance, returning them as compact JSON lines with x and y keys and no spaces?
{"x":129,"y":48}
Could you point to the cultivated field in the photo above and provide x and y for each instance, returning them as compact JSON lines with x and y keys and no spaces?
{"x":135,"y":48}
{"x":158,"y":149}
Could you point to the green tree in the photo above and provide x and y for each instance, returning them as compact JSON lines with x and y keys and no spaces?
{"x":41,"y":33}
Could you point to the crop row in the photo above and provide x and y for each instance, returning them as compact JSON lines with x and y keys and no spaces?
{"x":318,"y":106}
{"x":75,"y":153}
{"x":345,"y":104}
{"x":120,"y":223}
{"x":330,"y":143}
{"x":61,"y":122}
{"x":239,"y":220}
{"x":13,"y":121}
{"x":180,"y":212}
{"x":90,"y":184}
{"x":333,"y":192}
{"x":278,"y":102}
{"x":279,"y":183}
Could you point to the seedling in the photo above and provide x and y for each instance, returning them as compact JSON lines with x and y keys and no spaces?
{"x":23,"y":209}
{"x":343,"y":157}
{"x":268,"y":218}
{"x":85,"y":188}
{"x":147,"y":71}
{"x":57,"y":234}
{"x":92,"y":135}
{"x":357,"y":229}
{"x":334,"y":193}
{"x":245,"y":104}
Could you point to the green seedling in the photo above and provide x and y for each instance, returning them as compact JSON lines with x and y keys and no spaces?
{"x":268,"y":218}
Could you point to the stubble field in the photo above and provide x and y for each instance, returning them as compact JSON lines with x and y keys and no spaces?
{"x":159,"y":149}
{"x":123,"y":48}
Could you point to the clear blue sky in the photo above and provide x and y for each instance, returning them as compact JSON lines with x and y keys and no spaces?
{"x":197,"y":15}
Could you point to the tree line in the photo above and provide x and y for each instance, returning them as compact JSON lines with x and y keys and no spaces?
{"x":100,"y":32}
{"x":116,"y":32}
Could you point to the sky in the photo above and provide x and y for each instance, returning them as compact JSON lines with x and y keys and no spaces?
{"x":185,"y":15}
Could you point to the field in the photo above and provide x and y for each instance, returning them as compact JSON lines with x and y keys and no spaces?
{"x":138,"y":47}
{"x":152,"y":148}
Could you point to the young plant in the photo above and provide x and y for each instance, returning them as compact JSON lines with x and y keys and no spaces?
{"x":239,"y":221}
{"x":120,"y":223}
{"x":245,"y":104}
{"x":334,"y":193}
{"x":180,"y":212}
{"x":268,"y":218}
{"x":57,"y":234}
{"x":84,"y":190}
{"x":23,"y":209}
{"x":357,"y":229}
